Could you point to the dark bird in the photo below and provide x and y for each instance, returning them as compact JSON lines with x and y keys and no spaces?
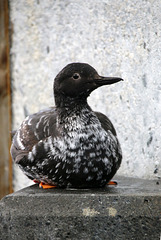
{"x":69,"y":144}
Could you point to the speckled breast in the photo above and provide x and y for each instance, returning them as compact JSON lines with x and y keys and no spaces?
{"x":83,"y":155}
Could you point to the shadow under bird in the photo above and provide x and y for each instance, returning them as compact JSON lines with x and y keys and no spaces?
{"x":69,"y":144}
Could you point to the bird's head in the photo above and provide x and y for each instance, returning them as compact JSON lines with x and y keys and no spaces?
{"x":78,"y":80}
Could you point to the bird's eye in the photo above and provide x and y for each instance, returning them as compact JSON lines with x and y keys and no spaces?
{"x":76,"y":75}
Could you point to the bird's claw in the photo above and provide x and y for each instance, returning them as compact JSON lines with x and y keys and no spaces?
{"x":45,"y":186}
{"x":112,"y":183}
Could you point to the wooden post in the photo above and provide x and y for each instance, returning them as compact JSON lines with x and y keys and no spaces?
{"x":5,"y":103}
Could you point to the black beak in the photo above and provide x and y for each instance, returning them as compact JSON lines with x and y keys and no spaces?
{"x":100,"y":81}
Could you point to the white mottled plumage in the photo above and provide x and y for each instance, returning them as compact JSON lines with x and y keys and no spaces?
{"x":69,"y":144}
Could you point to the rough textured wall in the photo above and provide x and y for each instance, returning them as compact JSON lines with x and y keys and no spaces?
{"x":118,"y":38}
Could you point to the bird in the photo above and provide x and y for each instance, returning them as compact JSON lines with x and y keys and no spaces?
{"x":69,"y":144}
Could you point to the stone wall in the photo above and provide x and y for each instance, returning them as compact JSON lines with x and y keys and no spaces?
{"x":118,"y":38}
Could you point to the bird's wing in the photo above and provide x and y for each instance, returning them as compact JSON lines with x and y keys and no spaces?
{"x":106,"y":123}
{"x":33,"y":129}
{"x":108,"y":127}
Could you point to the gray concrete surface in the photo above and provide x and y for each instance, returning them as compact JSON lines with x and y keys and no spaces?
{"x":131,"y":210}
{"x":118,"y":38}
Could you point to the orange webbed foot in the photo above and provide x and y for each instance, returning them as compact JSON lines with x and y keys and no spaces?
{"x":46,"y":186}
{"x":114,"y":183}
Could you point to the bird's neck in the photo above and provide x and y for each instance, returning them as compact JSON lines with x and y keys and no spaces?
{"x":67,"y":107}
{"x":66,"y":102}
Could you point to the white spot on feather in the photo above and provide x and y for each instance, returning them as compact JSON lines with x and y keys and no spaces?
{"x":22,"y":147}
{"x":106,"y":161}
{"x":29,"y":120}
{"x":89,"y":178}
{"x":85,"y":170}
{"x":92,"y":155}
{"x":30,"y":157}
{"x":50,"y":144}
{"x":57,"y":165}
{"x":39,"y":122}
{"x":45,"y":162}
{"x":34,"y":150}
{"x":95,"y":169}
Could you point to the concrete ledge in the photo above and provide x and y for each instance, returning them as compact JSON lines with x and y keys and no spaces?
{"x":130,"y":210}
